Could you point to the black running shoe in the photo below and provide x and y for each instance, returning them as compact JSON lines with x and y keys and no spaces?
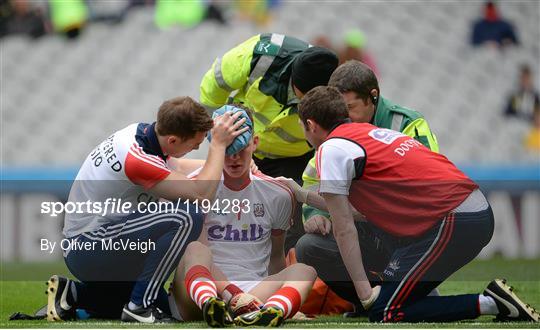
{"x":150,"y":314}
{"x":511,"y":308}
{"x":216,"y":314}
{"x":59,"y":299}
{"x":265,"y":317}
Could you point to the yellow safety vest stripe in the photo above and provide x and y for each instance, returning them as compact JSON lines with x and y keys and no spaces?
{"x":420,"y":127}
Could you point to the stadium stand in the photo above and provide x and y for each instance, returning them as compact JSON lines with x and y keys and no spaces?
{"x":60,"y":98}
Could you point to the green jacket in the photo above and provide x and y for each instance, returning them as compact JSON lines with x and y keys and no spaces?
{"x":388,"y":115}
{"x":257,"y":73}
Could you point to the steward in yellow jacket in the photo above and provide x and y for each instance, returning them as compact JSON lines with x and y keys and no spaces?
{"x":269,"y":73}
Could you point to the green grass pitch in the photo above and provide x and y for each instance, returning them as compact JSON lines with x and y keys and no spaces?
{"x":524,"y":275}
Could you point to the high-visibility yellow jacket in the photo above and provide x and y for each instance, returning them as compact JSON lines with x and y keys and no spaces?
{"x":257,"y":73}
{"x":387,"y":115}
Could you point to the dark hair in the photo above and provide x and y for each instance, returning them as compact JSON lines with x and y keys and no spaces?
{"x":355,"y":76}
{"x":182,"y":117}
{"x":324,"y":105}
{"x":313,"y":67}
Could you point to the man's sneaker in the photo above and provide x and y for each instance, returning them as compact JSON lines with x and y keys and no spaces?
{"x":511,"y":308}
{"x":59,"y":299}
{"x":265,"y":317}
{"x":150,"y":314}
{"x":216,"y":313}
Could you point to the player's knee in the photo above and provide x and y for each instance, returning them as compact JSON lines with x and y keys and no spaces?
{"x":195,"y":247}
{"x":311,"y":273}
{"x":305,"y":272}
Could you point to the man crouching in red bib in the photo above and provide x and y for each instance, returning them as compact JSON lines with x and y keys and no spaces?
{"x":433,"y":215}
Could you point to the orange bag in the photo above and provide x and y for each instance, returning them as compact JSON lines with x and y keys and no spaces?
{"x":321,"y":300}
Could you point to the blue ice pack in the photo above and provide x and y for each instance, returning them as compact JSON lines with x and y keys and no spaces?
{"x":242,"y":140}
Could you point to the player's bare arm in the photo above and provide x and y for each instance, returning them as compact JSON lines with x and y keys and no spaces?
{"x":347,"y":239}
{"x":185,"y":165}
{"x":277,"y":254}
{"x":312,"y":198}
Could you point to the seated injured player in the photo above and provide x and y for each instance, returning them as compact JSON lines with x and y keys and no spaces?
{"x":237,"y":267}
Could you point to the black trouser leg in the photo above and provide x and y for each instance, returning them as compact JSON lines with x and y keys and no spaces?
{"x":418,"y":267}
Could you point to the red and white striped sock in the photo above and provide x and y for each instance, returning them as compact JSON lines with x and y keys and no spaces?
{"x":200,"y":285}
{"x":287,"y":299}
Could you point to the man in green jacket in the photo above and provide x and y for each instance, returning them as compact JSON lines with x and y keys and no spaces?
{"x":318,"y":248}
{"x":269,"y":73}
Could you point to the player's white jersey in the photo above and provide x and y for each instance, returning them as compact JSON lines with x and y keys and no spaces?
{"x":123,"y":167}
{"x":240,"y":242}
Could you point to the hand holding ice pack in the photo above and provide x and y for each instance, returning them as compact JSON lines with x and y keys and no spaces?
{"x":242,"y":140}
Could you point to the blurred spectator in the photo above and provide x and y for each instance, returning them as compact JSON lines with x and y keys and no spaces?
{"x":256,"y":11}
{"x":492,"y":29}
{"x":19,"y":17}
{"x":139,"y":3}
{"x":523,"y":102}
{"x":214,"y":12}
{"x":187,"y":13}
{"x":134,"y":4}
{"x":108,"y":11}
{"x":68,"y":17}
{"x":355,"y":42}
{"x":532,"y":140}
{"x":322,"y":41}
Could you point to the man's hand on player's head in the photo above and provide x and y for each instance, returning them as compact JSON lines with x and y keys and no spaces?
{"x":227,"y":128}
{"x":318,"y":224}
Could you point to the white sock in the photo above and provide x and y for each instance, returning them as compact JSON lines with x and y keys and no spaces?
{"x":487,"y":305}
{"x":133,"y":306}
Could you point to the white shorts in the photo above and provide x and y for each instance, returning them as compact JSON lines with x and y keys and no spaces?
{"x":246,"y":286}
